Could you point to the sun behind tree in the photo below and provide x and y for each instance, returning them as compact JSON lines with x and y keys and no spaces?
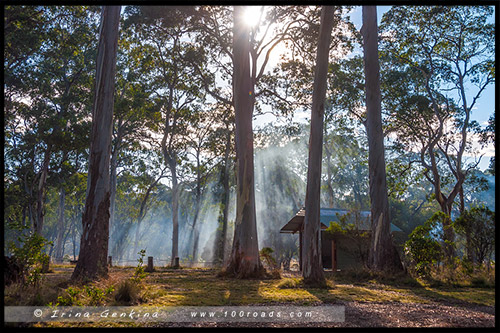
{"x":252,"y":15}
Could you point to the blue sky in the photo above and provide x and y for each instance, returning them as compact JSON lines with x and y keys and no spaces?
{"x":485,"y":105}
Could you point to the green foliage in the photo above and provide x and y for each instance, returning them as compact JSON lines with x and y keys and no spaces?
{"x":423,"y":247}
{"x":89,"y":295}
{"x":266,"y":255}
{"x":139,"y":273}
{"x":69,"y":297}
{"x":29,"y":254}
{"x":345,"y":160}
{"x":350,"y":226}
{"x":97,"y":295}
{"x":477,"y":225}
{"x":460,"y":275}
{"x":428,"y":52}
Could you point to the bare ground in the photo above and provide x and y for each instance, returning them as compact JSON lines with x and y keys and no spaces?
{"x":370,"y":314}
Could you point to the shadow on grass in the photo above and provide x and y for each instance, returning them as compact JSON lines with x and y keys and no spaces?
{"x":407,"y":285}
{"x":201,"y":287}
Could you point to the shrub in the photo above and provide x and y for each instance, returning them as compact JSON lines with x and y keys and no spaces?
{"x":477,"y":225}
{"x":97,"y":295}
{"x":127,"y":292}
{"x":70,"y":297}
{"x":266,"y":256}
{"x":139,"y":273}
{"x":423,"y":248}
{"x":30,"y":257}
{"x":13,"y":271}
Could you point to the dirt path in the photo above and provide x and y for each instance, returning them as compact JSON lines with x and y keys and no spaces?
{"x":370,"y":314}
{"x":417,"y":315}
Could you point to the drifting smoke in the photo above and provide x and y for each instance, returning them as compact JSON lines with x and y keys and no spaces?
{"x":154,"y":233}
{"x":280,"y":183}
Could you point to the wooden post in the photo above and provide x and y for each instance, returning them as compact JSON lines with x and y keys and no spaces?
{"x":334,"y":256}
{"x":150,"y":267}
{"x":176,"y":262}
{"x":110,"y":261}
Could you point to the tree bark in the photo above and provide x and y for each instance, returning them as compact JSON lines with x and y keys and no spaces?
{"x":60,"y":226}
{"x":244,"y":261}
{"x":382,"y":255}
{"x":113,"y":182}
{"x":40,"y":194}
{"x":175,"y":212}
{"x":329,"y":176}
{"x":312,"y":268}
{"x":92,"y":261}
{"x":220,"y":243}
{"x":195,"y":232}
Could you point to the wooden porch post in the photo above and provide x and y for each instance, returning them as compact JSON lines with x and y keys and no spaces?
{"x":334,"y":256}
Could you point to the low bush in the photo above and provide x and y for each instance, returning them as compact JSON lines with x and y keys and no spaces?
{"x":30,"y":258}
{"x":127,"y":292}
{"x":69,"y":297}
{"x":423,"y":249}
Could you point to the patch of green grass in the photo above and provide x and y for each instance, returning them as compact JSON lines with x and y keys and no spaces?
{"x":287,"y":283}
{"x":202,"y":287}
{"x":481,"y":296}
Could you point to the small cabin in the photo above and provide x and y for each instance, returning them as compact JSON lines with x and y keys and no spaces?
{"x":336,"y":249}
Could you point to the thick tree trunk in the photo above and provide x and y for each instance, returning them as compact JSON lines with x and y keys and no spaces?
{"x":244,"y":261}
{"x":92,"y":261}
{"x":382,"y":255}
{"x":312,"y":267}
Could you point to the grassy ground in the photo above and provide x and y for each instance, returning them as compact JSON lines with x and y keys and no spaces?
{"x":202,"y":287}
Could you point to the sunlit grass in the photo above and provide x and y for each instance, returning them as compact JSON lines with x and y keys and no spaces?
{"x":201,"y":287}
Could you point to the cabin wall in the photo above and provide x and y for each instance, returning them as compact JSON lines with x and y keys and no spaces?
{"x":326,"y":250}
{"x":346,"y":254}
{"x":346,"y":249}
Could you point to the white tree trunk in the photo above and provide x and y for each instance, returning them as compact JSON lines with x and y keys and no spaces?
{"x":244,"y":261}
{"x":312,"y":267}
{"x":381,"y":250}
{"x":92,"y":261}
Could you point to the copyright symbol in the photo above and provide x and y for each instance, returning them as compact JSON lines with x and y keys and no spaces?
{"x":38,"y":313}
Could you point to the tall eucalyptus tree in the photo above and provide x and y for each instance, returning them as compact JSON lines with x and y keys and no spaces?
{"x":92,"y":260}
{"x":381,"y":250}
{"x":312,"y":267}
